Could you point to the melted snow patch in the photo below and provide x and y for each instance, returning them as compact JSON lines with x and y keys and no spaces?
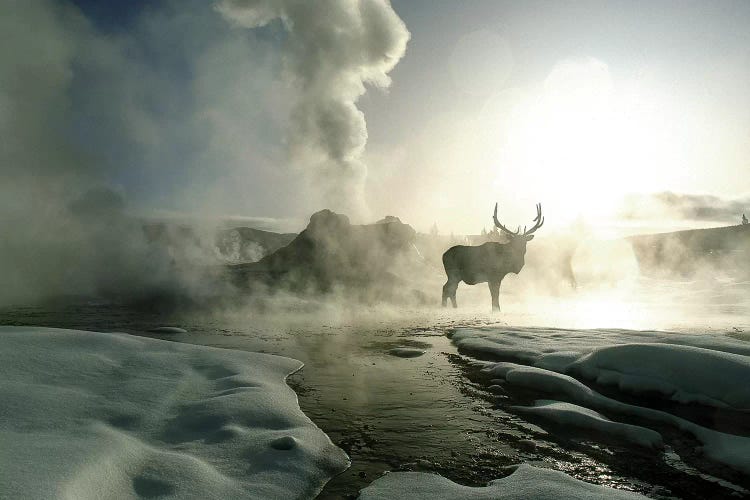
{"x":95,"y":415}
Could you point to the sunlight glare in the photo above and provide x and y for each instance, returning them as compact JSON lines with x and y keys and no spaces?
{"x":583,"y":141}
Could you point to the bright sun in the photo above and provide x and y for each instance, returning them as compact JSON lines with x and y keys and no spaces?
{"x":582,"y":141}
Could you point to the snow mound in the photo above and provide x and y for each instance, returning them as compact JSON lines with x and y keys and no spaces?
{"x":532,"y":344}
{"x":95,"y":415}
{"x":687,"y":368}
{"x":578,"y":416}
{"x":406,"y":352}
{"x":685,"y":374}
{"x":526,"y":482}
{"x":168,"y":329}
{"x":728,"y":449}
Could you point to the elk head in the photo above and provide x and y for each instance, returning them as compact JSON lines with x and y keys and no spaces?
{"x":518,"y":239}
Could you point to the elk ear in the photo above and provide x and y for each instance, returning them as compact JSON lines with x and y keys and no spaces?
{"x":530,"y":237}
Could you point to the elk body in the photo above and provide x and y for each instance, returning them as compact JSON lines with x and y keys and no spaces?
{"x":489,"y":262}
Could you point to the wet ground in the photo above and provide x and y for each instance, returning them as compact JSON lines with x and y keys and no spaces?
{"x":397,"y":409}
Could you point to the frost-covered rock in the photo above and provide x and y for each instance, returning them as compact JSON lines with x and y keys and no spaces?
{"x":525,"y":482}
{"x":94,"y":415}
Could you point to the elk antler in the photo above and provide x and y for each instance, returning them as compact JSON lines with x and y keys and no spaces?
{"x":538,"y":220}
{"x":500,"y":226}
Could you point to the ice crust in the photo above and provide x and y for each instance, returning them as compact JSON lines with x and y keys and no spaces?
{"x":526,"y":482}
{"x":95,"y":415}
{"x":686,"y":368}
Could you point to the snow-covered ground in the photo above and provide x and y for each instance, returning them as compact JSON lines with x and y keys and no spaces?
{"x":525,"y":482}
{"x":101,"y":415}
{"x":704,"y":370}
{"x":428,"y":413}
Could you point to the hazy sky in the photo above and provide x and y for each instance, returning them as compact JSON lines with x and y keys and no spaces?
{"x":570,"y":103}
{"x":185,"y":108}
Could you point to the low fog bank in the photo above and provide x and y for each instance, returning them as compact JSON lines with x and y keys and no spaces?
{"x":90,"y":248}
{"x":247,"y":244}
{"x":698,"y":209}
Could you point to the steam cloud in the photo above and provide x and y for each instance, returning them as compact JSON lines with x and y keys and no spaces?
{"x":333,"y":48}
{"x":78,"y":116}
{"x":179,"y":114}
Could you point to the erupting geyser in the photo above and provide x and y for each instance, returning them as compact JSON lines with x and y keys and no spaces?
{"x":332,"y":49}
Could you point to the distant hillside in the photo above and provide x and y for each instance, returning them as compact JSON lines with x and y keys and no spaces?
{"x":686,"y":253}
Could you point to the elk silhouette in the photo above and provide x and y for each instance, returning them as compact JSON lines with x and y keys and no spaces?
{"x":489,"y":262}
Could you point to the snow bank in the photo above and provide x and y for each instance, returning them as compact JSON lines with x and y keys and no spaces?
{"x":687,"y":368}
{"x":728,"y":449}
{"x":712,"y":370}
{"x":682,"y":373}
{"x":526,"y":482}
{"x":95,"y":415}
{"x":531,"y":344}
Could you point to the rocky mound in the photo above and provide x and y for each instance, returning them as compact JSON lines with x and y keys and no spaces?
{"x":331,"y":252}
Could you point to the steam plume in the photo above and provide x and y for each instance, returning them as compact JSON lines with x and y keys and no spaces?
{"x":333,"y":48}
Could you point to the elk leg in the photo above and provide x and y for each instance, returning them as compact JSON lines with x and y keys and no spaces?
{"x":495,"y":292}
{"x":449,"y":291}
